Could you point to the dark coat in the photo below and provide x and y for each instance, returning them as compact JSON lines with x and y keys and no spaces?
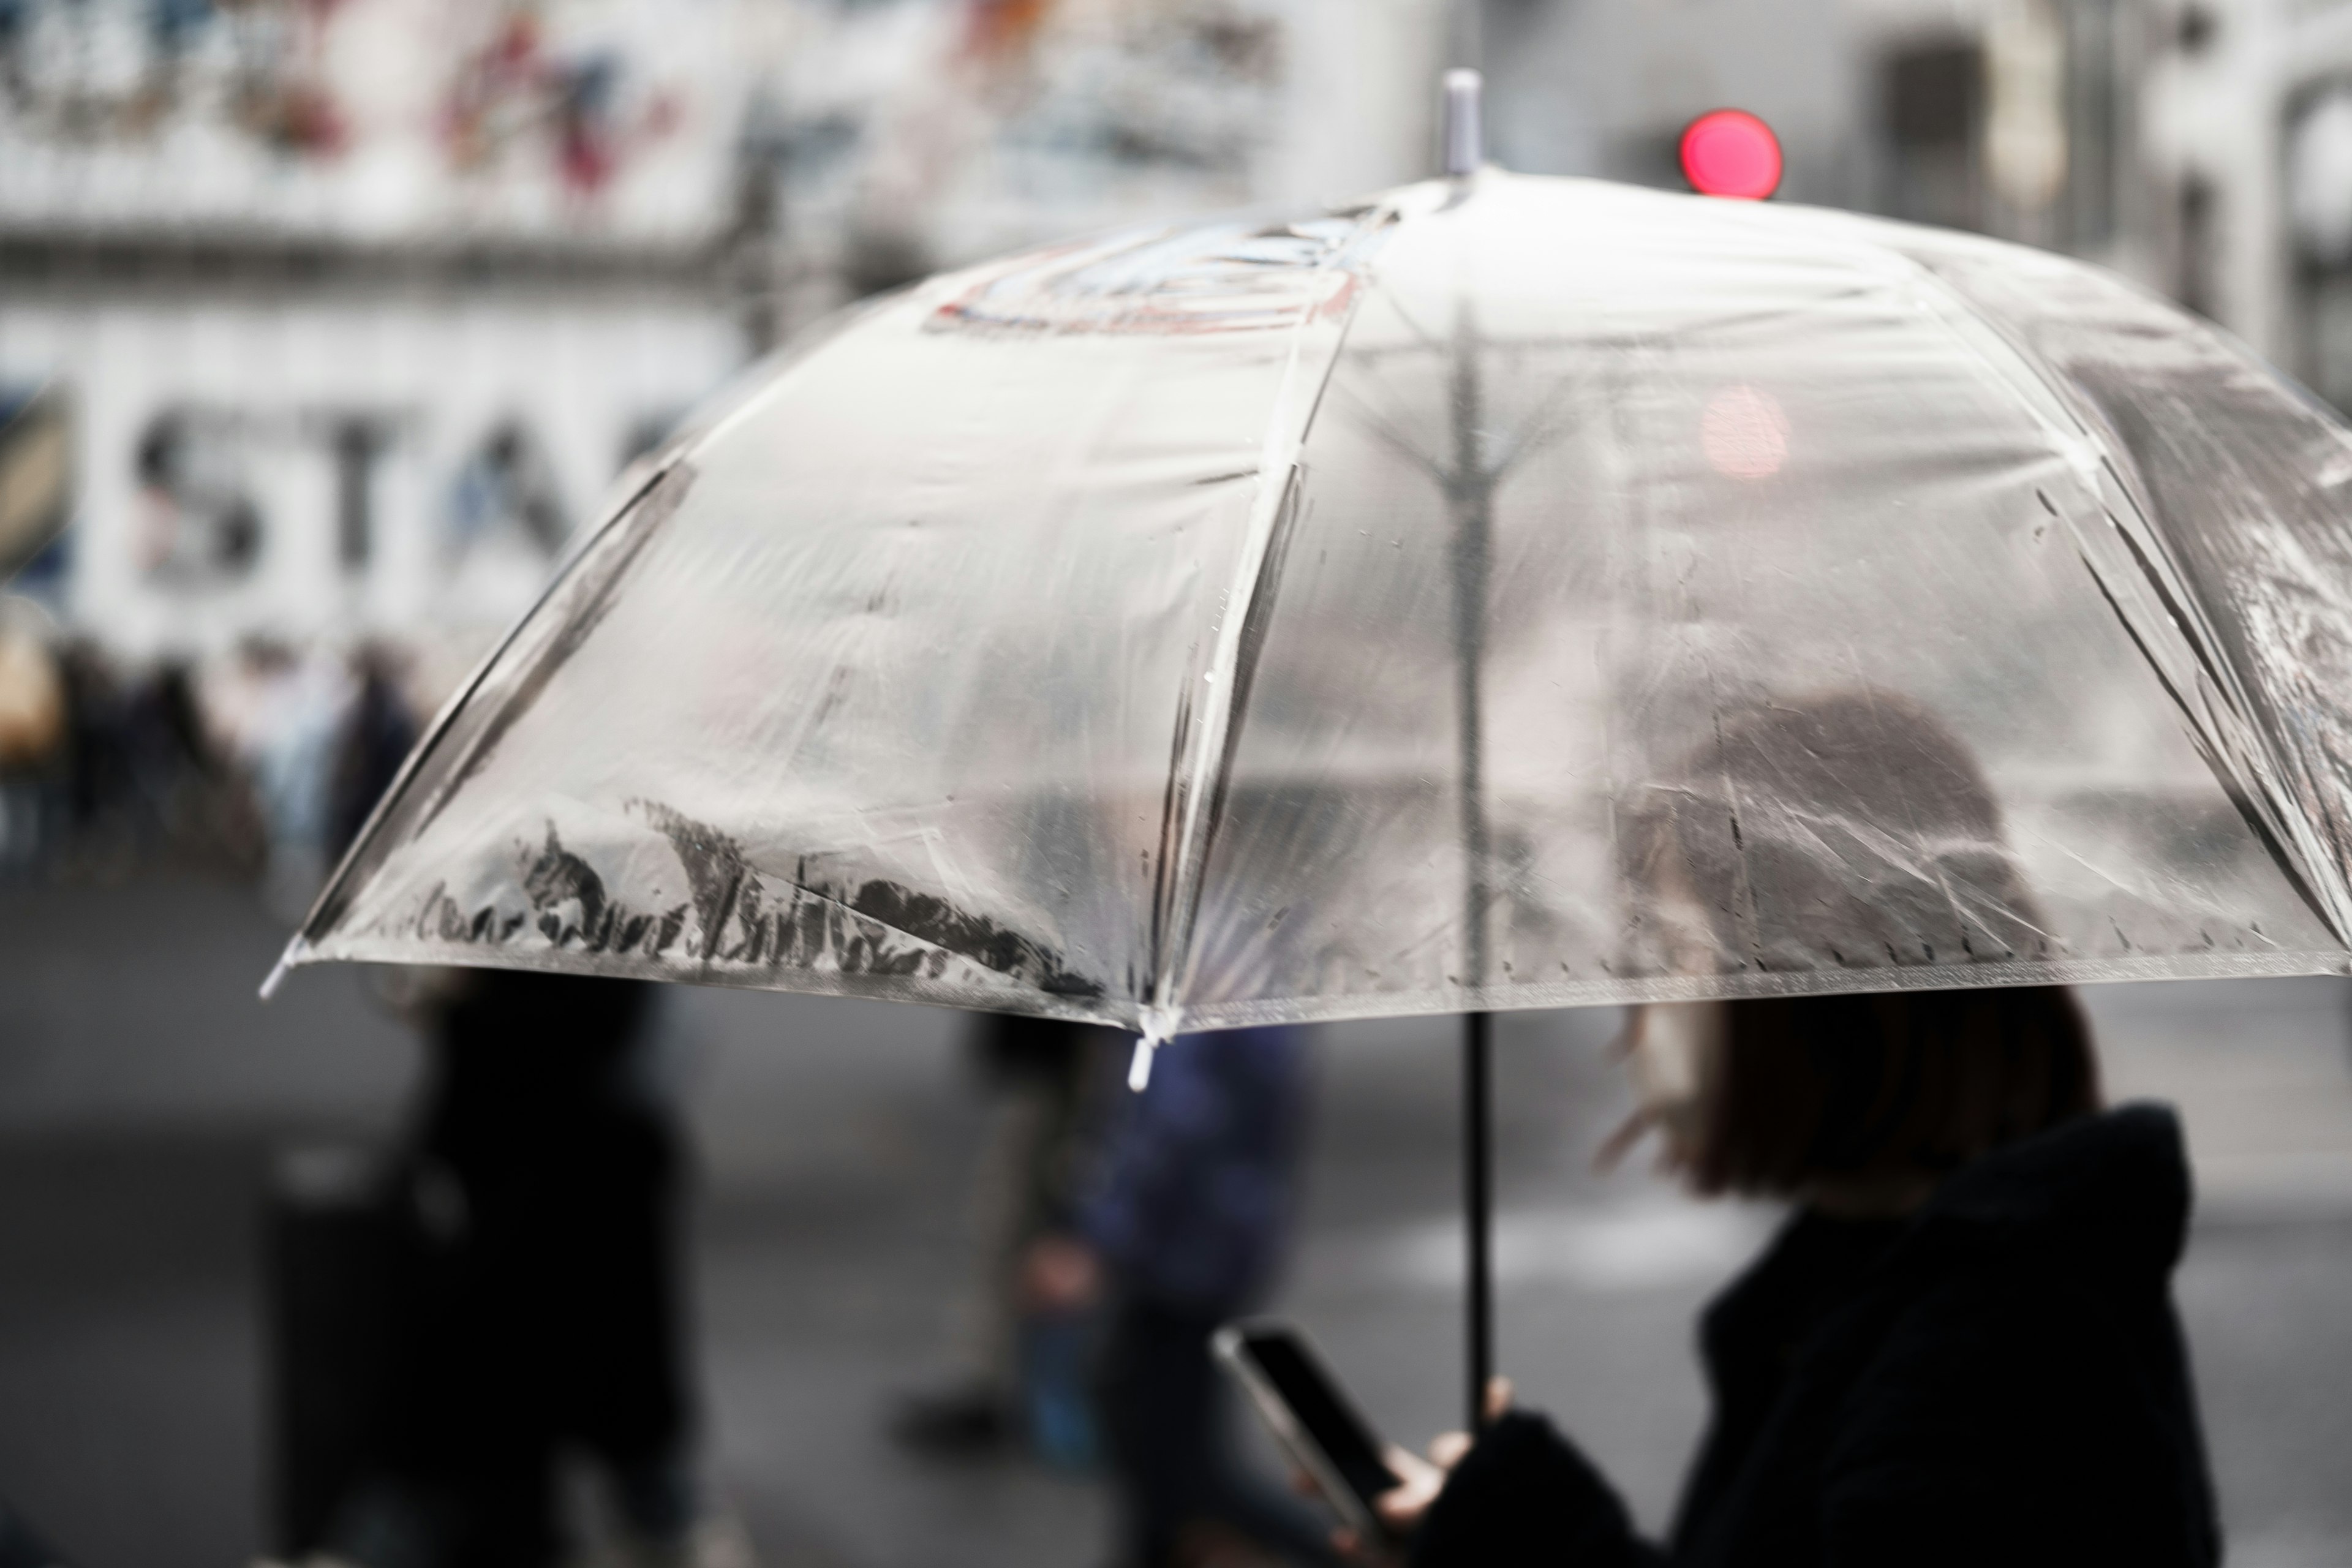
{"x":1998,"y":1379}
{"x":1200,"y":1174}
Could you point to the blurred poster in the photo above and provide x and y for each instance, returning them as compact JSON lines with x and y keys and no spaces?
{"x":917,"y":135}
{"x":36,"y":474}
{"x":380,"y":121}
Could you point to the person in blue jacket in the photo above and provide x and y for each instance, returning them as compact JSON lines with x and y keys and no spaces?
{"x":1184,"y":1228}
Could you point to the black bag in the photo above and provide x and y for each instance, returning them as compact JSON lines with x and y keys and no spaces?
{"x":331,"y":1234}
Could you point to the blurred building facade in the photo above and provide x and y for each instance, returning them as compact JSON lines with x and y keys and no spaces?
{"x":349,"y":312}
{"x":345,"y":314}
{"x":2250,"y":123}
{"x":2203,"y":147}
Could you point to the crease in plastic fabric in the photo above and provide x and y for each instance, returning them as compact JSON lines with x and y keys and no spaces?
{"x":1856,"y":607}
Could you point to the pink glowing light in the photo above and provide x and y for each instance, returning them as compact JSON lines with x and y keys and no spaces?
{"x":1744,"y":433}
{"x":1731,"y":152}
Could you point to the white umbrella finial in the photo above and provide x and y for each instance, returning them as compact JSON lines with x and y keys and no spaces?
{"x":1465,"y":134}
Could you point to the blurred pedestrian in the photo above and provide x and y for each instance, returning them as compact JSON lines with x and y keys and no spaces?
{"x":379,"y":729}
{"x":1013,"y":1371}
{"x":32,"y":693}
{"x":1961,"y":1348}
{"x":32,"y":733}
{"x":539,"y":1312}
{"x":101,"y":832}
{"x":282,"y":711}
{"x":21,"y":1548}
{"x":1186,"y":1228}
{"x":539,"y":1307}
{"x":188,"y":799}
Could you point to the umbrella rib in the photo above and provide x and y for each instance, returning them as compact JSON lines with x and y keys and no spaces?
{"x":674,"y":468}
{"x":1195,"y":790}
{"x":2317,"y":877}
{"x":328,"y":906}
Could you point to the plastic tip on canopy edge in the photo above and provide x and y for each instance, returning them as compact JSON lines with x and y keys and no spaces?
{"x":296,"y":951}
{"x":1464,"y":132}
{"x":1159,"y":1028}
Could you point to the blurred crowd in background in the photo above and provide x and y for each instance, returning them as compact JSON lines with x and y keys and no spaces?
{"x":255,"y":763}
{"x":325,"y":327}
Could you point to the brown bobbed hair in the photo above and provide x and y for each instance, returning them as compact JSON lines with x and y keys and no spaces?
{"x":1849,"y":830}
{"x":1853,"y":830}
{"x":1886,"y":1086}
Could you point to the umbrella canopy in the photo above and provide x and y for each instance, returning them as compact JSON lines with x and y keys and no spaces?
{"x":1505,"y":592}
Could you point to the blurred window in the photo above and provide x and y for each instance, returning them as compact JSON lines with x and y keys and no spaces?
{"x":2199,"y":264}
{"x":1931,"y":106}
{"x":2319,"y":219}
{"x":2025,"y":111}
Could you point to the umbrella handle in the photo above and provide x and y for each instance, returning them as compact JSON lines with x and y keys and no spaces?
{"x":1478,"y":1200}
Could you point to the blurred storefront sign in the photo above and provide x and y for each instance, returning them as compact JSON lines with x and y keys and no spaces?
{"x":363,"y":305}
{"x":332,"y":467}
{"x":359,"y":306}
{"x":200,"y":522}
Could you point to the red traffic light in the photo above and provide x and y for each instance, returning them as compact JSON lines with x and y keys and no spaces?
{"x":1731,"y":152}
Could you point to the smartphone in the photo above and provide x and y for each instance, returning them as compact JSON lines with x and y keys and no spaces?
{"x":1310,"y":1416}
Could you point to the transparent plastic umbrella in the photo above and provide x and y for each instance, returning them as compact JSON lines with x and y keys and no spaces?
{"x":1504,"y":592}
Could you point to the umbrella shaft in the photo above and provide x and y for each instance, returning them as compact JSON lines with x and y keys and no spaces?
{"x":1478,"y":1199}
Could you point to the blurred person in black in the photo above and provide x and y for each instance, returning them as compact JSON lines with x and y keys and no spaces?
{"x":21,"y":1548}
{"x":191,"y":800}
{"x":1183,"y":1227}
{"x":1961,"y":1348}
{"x":537,"y":1308}
{"x":1039,"y":1076}
{"x":100,"y":796}
{"x":378,"y":731}
{"x":32,"y":732}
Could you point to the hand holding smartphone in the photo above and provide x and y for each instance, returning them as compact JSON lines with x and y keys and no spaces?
{"x":1312,"y":1417}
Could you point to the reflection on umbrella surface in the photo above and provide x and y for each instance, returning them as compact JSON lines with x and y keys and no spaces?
{"x":1078,"y":636}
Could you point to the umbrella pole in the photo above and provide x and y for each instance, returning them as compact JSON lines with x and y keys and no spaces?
{"x":1478,"y":1200}
{"x":1469,"y":488}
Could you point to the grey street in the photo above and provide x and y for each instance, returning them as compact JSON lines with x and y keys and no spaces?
{"x":143,"y":1092}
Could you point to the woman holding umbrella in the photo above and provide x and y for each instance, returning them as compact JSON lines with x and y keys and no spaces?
{"x":1961,"y":1348}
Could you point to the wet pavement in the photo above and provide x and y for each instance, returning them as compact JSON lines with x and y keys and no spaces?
{"x":143,"y":1092}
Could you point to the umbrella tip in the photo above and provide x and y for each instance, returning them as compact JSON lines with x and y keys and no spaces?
{"x":294,"y":954}
{"x":1464,"y":132}
{"x":1159,"y":1028}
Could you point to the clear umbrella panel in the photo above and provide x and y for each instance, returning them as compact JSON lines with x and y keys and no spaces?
{"x":1506,"y":592}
